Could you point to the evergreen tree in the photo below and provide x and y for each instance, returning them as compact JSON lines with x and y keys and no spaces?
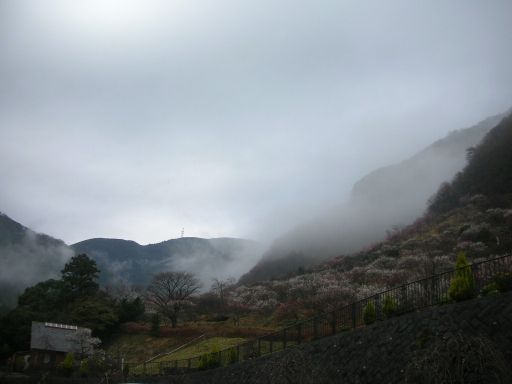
{"x":462,"y":286}
{"x":79,"y":277}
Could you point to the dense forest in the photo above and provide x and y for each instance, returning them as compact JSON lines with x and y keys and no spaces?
{"x":75,"y":298}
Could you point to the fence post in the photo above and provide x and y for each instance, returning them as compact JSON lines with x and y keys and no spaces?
{"x":315,"y":329}
{"x":189,"y":363}
{"x":259,"y":346}
{"x":160,"y":368}
{"x":333,"y":322}
{"x":299,"y":331}
{"x":434,"y":289}
{"x":144,"y":370}
{"x":284,"y":338}
{"x":353,"y":315}
{"x":475,"y":280}
{"x":238,"y":353}
{"x":270,"y":341}
{"x":378,"y":307}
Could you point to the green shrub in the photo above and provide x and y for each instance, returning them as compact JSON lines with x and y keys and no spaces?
{"x":84,"y":367}
{"x":389,"y":308}
{"x":19,"y":363}
{"x":203,"y":363}
{"x":68,"y":364}
{"x":214,"y":360}
{"x":210,"y":360}
{"x":489,"y":289}
{"x":369,"y":313}
{"x":214,"y":357}
{"x":462,"y":286}
{"x":503,"y":282}
{"x":233,"y":356}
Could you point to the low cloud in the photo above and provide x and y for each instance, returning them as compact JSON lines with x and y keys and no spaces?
{"x":36,"y":258}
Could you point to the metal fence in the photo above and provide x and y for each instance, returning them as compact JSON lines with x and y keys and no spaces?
{"x":410,"y":297}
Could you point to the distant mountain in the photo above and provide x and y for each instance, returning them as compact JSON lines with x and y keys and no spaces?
{"x":384,"y":200}
{"x":26,"y":257}
{"x":127,"y":262}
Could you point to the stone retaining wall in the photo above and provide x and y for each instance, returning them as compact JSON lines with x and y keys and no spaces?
{"x":470,"y":340}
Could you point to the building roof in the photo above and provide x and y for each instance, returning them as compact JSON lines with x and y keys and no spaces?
{"x":56,"y":337}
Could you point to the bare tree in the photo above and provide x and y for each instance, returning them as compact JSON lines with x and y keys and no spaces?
{"x":170,"y":292}
{"x":220,"y":287}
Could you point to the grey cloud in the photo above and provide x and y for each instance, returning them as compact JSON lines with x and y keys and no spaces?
{"x":233,"y":118}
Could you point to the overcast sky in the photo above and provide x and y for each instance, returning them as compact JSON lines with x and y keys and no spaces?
{"x":135,"y":118}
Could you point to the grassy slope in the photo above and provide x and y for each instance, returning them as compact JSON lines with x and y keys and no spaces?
{"x":136,"y":344}
{"x":202,"y":347}
{"x":140,"y":347}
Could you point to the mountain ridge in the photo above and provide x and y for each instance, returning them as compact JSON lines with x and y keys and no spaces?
{"x":383,"y":200}
{"x":35,"y":257}
{"x":133,"y":263}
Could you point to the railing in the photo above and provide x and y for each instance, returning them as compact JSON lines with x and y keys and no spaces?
{"x":410,"y":297}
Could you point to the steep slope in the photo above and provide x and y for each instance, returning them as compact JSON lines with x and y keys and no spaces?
{"x":407,"y":186}
{"x":128,"y":262}
{"x":389,"y":197}
{"x":26,"y":258}
{"x":476,"y":218}
{"x":489,"y":172}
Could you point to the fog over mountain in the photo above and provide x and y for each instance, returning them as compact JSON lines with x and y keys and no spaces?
{"x":135,"y":118}
{"x":388,"y":198}
{"x":27,"y":258}
{"x":129,"y":263}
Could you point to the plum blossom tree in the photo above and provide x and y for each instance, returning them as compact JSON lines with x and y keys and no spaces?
{"x":260,"y":298}
{"x":84,"y":342}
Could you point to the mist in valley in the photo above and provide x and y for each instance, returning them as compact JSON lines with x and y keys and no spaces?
{"x":382,"y":202}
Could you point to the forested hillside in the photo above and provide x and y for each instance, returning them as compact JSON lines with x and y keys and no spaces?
{"x":384,"y":200}
{"x":471,"y":214}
